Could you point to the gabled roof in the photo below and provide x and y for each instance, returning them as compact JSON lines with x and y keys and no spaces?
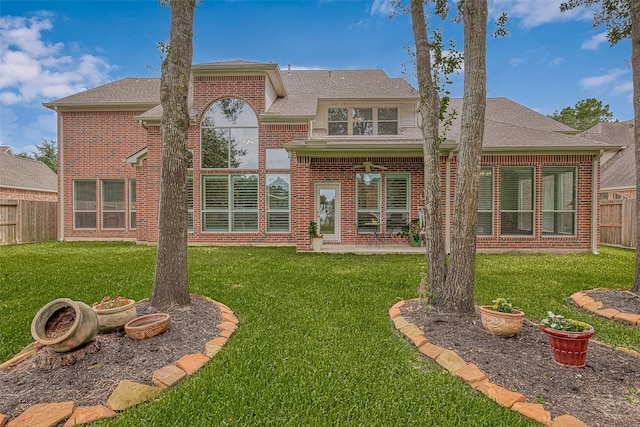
{"x":619,"y":172}
{"x":306,"y":88}
{"x":26,"y":174}
{"x":6,"y":149}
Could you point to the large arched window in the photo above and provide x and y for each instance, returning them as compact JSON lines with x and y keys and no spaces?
{"x":229,"y":135}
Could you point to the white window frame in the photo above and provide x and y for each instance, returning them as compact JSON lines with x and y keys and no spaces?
{"x":104,"y":210}
{"x":487,"y":169}
{"x":278,"y":210}
{"x":229,"y":210}
{"x":522,"y":221}
{"x":77,"y":210}
{"x":375,"y":120}
{"x":133,"y":213}
{"x":573,"y":211}
{"x":406,"y":211}
{"x":368,"y":213}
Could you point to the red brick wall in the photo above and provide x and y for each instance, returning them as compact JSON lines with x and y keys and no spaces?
{"x":16,"y":194}
{"x":94,"y":146}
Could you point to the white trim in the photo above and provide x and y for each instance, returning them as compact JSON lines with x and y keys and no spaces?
{"x":447,"y":208}
{"x":61,"y":193}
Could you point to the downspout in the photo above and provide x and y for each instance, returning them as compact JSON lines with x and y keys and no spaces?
{"x":447,"y":201}
{"x":61,"y":171}
{"x":594,"y":203}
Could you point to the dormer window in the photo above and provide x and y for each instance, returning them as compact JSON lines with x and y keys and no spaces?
{"x":362,"y":121}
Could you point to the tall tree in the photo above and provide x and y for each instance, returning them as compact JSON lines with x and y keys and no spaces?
{"x":170,"y":285}
{"x":586,"y":114}
{"x":452,"y":287}
{"x":622,"y":20}
{"x":47,"y":153}
{"x":458,"y":292}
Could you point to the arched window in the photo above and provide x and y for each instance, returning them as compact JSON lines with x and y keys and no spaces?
{"x":229,"y":135}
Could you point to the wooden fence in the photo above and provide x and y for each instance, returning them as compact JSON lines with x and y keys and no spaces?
{"x":618,"y":222}
{"x":27,"y":221}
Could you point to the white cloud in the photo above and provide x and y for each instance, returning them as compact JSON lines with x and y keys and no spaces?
{"x":533,"y":13}
{"x":33,"y":71}
{"x":597,"y":81}
{"x":594,"y":42}
{"x":514,"y":62}
{"x":626,"y":87}
{"x":382,"y":7}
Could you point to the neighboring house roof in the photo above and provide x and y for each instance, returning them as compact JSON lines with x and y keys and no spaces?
{"x":26,"y":174}
{"x":6,"y":149}
{"x":619,"y":172}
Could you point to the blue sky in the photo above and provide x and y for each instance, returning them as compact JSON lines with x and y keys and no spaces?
{"x":52,"y":49}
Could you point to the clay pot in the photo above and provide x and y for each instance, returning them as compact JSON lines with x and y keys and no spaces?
{"x":147,"y":326}
{"x":64,"y":325}
{"x":501,"y":324}
{"x":112,"y":319}
{"x":316,"y":243}
{"x":569,"y":348}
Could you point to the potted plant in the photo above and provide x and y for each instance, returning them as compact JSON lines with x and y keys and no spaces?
{"x":568,"y":338}
{"x":114,"y":313}
{"x":413,"y":233}
{"x":314,"y":237}
{"x":501,"y":318}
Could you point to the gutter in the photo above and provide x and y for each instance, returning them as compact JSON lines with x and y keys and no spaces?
{"x":595,"y":179}
{"x":61,"y":171}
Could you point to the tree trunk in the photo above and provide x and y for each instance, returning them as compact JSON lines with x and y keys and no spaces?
{"x":429,"y":110}
{"x":634,"y":14}
{"x":458,"y":293}
{"x":170,"y":286}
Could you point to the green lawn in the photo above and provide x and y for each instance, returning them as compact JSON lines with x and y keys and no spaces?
{"x":315,"y":346}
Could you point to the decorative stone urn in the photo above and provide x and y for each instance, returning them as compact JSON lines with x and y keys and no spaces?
{"x":112,"y":319}
{"x":569,"y":348}
{"x":64,"y":325}
{"x":147,"y":326}
{"x":501,"y":324}
{"x":316,"y":243}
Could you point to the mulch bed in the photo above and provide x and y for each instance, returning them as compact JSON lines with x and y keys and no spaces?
{"x":117,"y":357}
{"x":621,"y":300}
{"x":606,"y":392}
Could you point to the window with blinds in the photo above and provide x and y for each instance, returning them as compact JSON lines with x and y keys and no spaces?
{"x":368,"y":202}
{"x":113,"y":204}
{"x":230,"y":203}
{"x":397,"y":202}
{"x":84,"y":204}
{"x":558,"y":200}
{"x":132,"y":204}
{"x":485,"y":203}
{"x":516,"y":200}
{"x":190,"y":203}
{"x":278,"y":201}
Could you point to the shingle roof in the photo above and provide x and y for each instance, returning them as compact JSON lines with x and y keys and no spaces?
{"x":128,"y":91}
{"x":306,"y":87}
{"x":620,"y":170}
{"x":21,"y":173}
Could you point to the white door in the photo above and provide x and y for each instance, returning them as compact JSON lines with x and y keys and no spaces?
{"x":327,"y":208}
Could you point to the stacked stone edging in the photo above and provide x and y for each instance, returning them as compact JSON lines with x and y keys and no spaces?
{"x":127,"y":393}
{"x":473,"y":376}
{"x":584,"y":301}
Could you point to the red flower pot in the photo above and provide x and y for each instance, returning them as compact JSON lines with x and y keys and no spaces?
{"x":569,"y":348}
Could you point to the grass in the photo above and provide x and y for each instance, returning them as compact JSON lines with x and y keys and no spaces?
{"x":315,"y":345}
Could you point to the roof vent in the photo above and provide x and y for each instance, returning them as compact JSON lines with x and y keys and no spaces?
{"x":330,"y":73}
{"x":289,"y":70}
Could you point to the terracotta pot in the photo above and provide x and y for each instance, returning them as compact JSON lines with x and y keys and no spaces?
{"x":64,"y":325}
{"x":316,"y":243}
{"x":501,"y":324}
{"x":569,"y":348}
{"x":112,"y":319}
{"x":415,"y":240}
{"x":147,"y":326}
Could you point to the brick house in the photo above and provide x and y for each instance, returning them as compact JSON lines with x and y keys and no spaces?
{"x":275,"y":149}
{"x":26,"y":179}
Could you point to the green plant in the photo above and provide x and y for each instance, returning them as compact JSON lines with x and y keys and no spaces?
{"x":107,"y":303}
{"x":313,"y":230}
{"x":560,"y":323}
{"x":503,"y":305}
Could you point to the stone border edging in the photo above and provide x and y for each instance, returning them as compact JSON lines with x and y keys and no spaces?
{"x":127,"y":393}
{"x":585,"y":302}
{"x":473,"y":376}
